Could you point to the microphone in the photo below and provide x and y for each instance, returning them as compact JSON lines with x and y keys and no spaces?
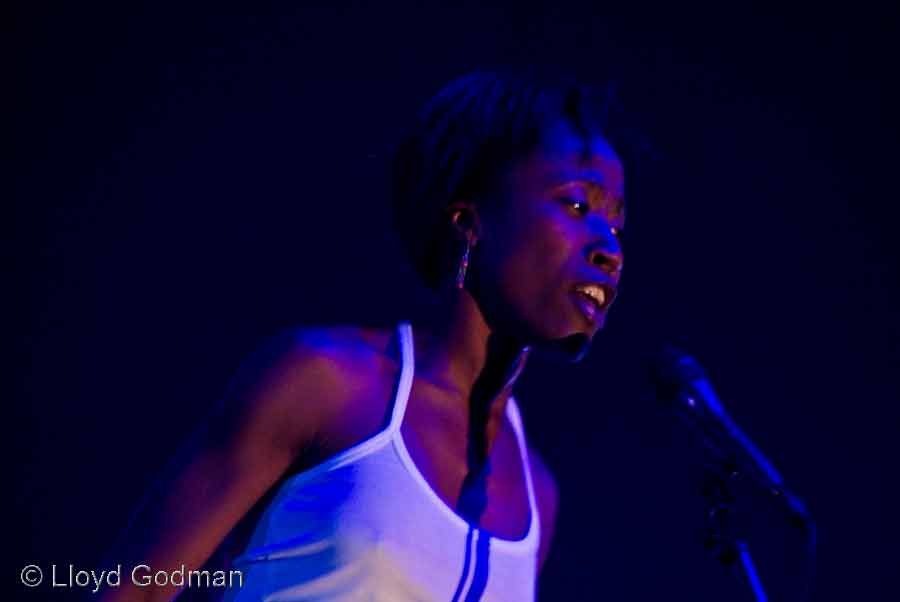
{"x":682,"y":384}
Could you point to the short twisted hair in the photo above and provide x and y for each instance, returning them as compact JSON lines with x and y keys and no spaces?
{"x":465,"y":137}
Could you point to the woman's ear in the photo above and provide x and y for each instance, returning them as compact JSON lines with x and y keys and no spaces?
{"x":465,"y":220}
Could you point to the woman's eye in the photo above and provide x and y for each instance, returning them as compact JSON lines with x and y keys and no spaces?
{"x":581,"y":207}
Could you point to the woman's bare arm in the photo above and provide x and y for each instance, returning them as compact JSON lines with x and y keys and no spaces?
{"x":269,"y":416}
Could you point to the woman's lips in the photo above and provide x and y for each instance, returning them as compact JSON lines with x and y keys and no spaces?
{"x":588,"y":306}
{"x":598,"y":292}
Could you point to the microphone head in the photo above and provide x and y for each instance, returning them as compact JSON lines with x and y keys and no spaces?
{"x":673,"y":372}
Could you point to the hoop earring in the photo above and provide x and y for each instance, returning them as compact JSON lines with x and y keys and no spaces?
{"x":463,"y":265}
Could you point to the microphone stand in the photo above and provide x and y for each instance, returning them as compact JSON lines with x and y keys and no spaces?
{"x":722,"y":537}
{"x":681,"y":383}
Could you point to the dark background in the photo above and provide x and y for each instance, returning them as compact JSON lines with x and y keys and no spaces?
{"x":188,"y":181}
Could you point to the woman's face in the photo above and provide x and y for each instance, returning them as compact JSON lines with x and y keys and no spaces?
{"x":549,"y":253}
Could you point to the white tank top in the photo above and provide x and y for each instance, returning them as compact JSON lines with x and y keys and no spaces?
{"x":365,"y":526}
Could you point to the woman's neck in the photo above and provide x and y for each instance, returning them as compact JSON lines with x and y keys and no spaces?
{"x":475,"y":365}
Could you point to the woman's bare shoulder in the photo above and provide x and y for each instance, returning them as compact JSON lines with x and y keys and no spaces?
{"x":317,"y":374}
{"x":351,"y":354}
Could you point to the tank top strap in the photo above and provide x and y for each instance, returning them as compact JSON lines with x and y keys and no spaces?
{"x":515,"y":419}
{"x":401,"y":397}
{"x":407,"y":370}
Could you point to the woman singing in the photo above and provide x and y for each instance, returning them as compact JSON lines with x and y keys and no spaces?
{"x":349,"y":463}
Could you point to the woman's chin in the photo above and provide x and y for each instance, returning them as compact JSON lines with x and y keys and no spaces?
{"x":570,"y":348}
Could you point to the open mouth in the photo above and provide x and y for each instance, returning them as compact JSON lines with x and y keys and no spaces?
{"x":592,"y":299}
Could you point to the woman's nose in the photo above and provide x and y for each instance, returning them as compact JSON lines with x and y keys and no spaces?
{"x":606,"y":253}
